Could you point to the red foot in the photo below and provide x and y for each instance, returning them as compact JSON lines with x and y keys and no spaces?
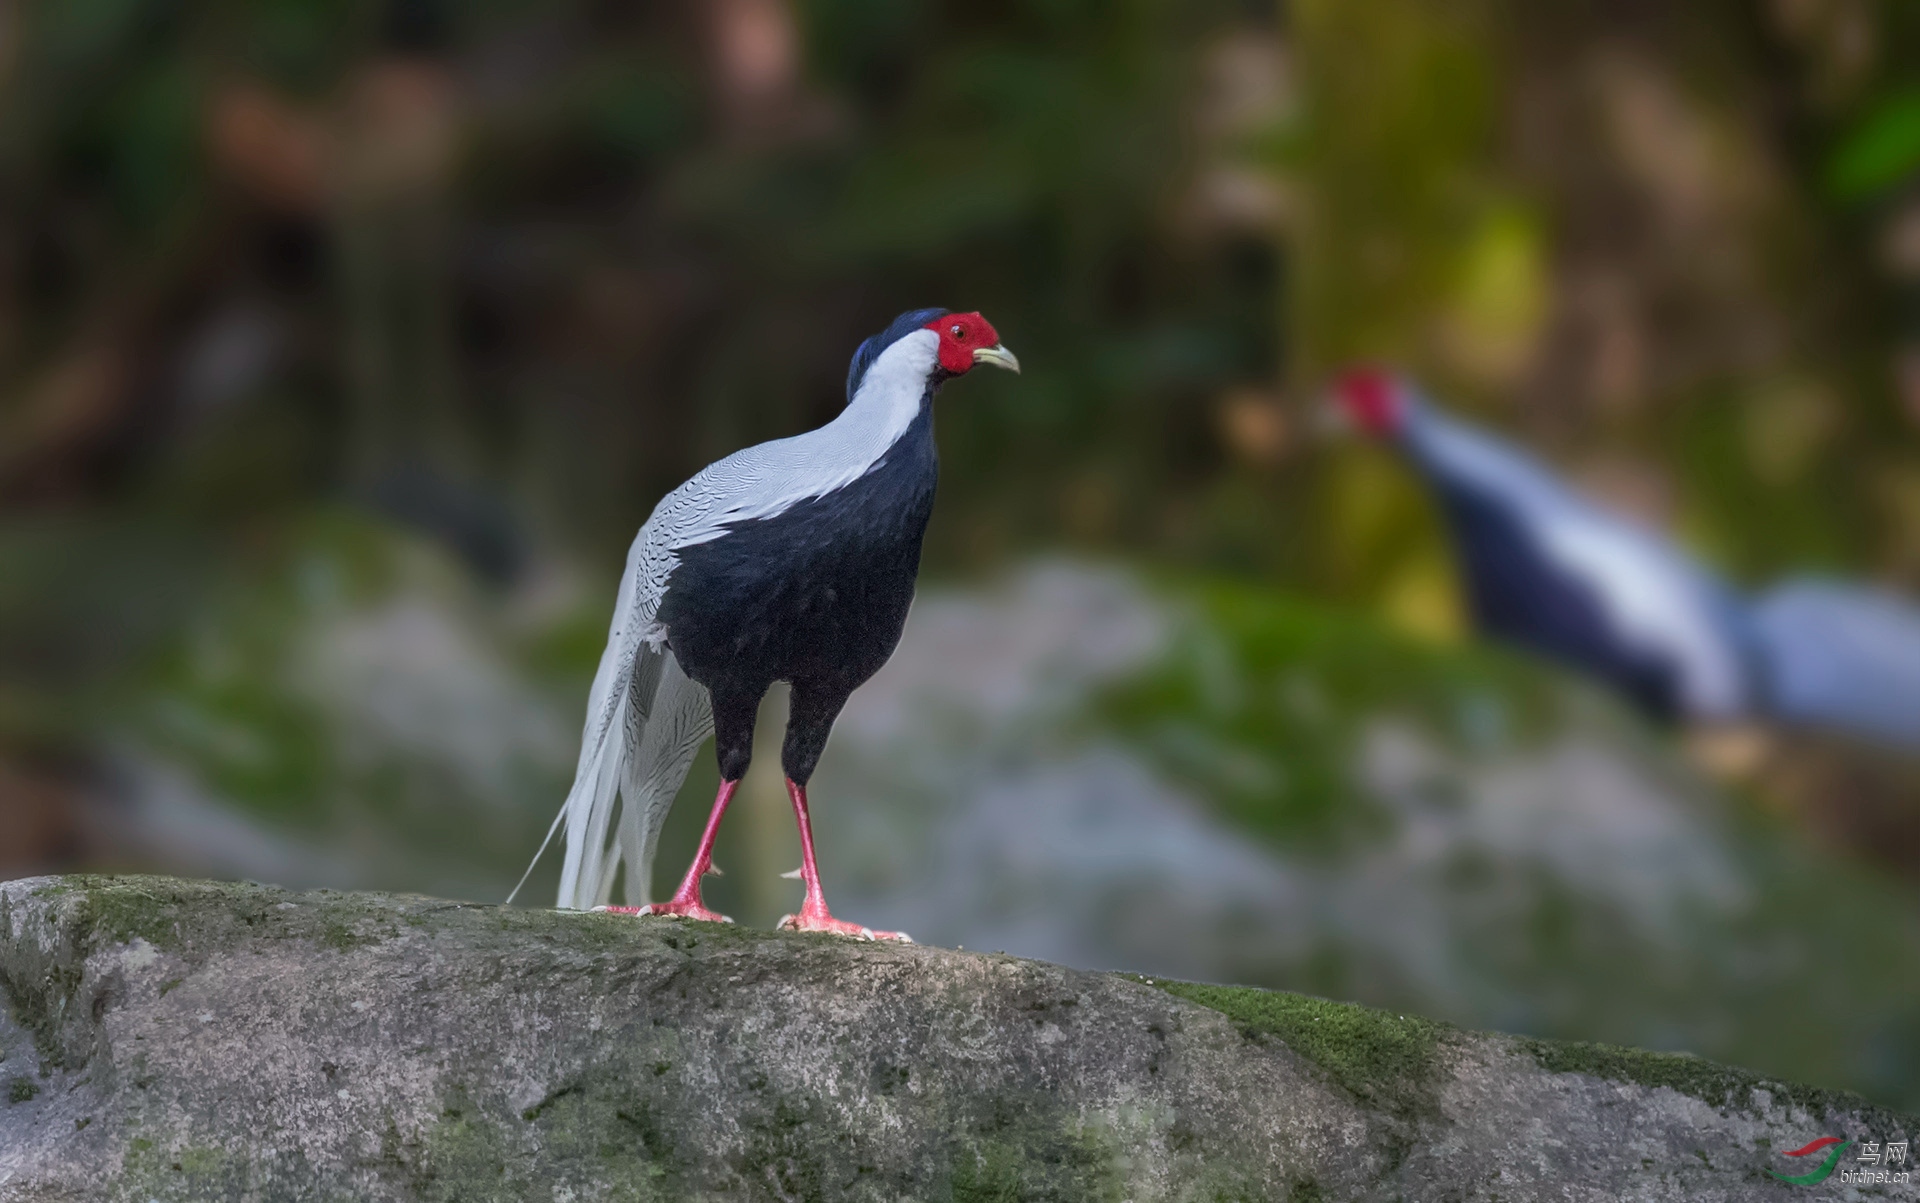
{"x":820,"y":920}
{"x":687,"y":909}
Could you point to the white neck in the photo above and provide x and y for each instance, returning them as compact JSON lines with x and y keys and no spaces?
{"x":766,"y":479}
{"x":890,"y":393}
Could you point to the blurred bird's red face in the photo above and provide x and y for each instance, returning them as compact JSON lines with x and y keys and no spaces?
{"x":967,"y":339}
{"x":1370,"y":399}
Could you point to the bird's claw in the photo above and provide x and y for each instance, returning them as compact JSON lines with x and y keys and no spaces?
{"x":685,"y":910}
{"x":682,"y":910}
{"x":839,"y":927}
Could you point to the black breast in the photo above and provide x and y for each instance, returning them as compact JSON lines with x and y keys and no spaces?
{"x":817,"y":594}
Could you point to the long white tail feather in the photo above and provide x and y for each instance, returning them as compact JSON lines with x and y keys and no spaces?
{"x":580,"y":868}
{"x":589,"y":803}
{"x":590,"y":864}
{"x":627,"y":844}
{"x":677,"y":724}
{"x":645,"y":722}
{"x":640,"y":760}
{"x":538,"y":853}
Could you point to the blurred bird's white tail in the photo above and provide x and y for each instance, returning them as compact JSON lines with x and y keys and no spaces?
{"x":1842,"y":657}
{"x":645,"y":721}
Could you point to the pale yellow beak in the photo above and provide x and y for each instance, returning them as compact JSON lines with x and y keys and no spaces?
{"x":998,"y":356}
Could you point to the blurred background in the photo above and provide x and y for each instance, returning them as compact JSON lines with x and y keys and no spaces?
{"x":344,"y":344}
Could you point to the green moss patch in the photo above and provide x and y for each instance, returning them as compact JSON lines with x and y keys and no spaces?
{"x":1258,"y":705}
{"x":1026,"y":1146}
{"x":1721,"y":1086}
{"x":193,"y":917}
{"x":1387,"y":1061}
{"x":155,"y":1171}
{"x":1065,"y":1165}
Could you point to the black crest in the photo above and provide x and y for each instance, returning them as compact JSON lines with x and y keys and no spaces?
{"x":905,"y":324}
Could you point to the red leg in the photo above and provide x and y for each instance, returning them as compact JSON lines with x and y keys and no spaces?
{"x":686,"y":900}
{"x":813,"y":914}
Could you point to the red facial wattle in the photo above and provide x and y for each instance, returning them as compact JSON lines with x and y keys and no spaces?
{"x":961,"y":334}
{"x":1372,"y":399}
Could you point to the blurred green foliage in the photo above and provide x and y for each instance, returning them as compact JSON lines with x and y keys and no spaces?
{"x":1882,"y":153}
{"x":558,"y":256}
{"x":504,"y":273}
{"x":1661,"y":243}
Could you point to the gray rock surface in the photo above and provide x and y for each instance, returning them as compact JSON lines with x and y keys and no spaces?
{"x":166,"y":1040}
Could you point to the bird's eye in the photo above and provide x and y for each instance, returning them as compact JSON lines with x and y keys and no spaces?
{"x":958,"y":331}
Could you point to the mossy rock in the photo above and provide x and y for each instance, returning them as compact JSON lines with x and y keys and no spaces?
{"x":174,"y":1040}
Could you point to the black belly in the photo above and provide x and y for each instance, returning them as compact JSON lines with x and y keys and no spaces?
{"x":817,"y":595}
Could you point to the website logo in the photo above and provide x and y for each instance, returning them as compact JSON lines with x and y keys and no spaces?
{"x":1824,"y":1170}
{"x":1873,"y":1164}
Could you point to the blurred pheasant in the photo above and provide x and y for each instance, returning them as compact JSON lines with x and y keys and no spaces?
{"x":792,"y":561}
{"x":1551,"y":571}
